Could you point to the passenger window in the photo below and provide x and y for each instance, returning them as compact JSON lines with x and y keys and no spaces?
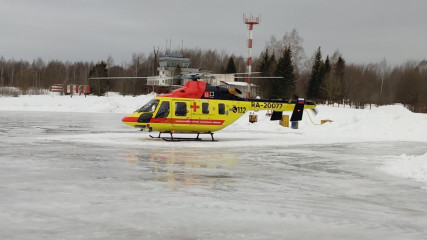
{"x":221,"y":108}
{"x":205,"y":108}
{"x":180,"y":109}
{"x":163,"y":110}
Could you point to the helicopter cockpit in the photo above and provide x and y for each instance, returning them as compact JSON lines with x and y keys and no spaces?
{"x":149,"y":107}
{"x":147,"y":111}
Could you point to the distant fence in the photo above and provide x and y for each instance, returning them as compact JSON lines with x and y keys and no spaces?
{"x":352,"y":104}
{"x":417,"y":108}
{"x":70,"y":89}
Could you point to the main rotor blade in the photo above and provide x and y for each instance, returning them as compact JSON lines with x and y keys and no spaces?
{"x":246,"y":73}
{"x":105,"y":78}
{"x":258,"y":77}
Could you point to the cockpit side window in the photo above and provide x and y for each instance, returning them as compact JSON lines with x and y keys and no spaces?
{"x":163,"y":110}
{"x":150,"y":106}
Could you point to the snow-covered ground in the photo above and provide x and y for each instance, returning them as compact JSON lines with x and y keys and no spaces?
{"x":385,"y":123}
{"x":69,"y":169}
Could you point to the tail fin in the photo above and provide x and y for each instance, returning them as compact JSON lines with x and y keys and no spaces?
{"x":298,"y":110}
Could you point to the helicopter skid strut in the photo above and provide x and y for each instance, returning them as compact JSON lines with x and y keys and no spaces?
{"x":177,"y":139}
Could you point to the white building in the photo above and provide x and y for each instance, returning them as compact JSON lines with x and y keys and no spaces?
{"x":167,"y":71}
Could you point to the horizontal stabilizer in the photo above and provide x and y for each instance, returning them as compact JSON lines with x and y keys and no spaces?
{"x":315,"y":111}
{"x":276,"y":116}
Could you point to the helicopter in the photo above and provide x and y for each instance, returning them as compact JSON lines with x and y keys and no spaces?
{"x":200,"y":108}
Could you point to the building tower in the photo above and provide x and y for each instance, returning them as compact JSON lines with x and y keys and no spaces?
{"x":250,"y":21}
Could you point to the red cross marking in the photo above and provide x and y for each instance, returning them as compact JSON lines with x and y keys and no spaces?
{"x":194,"y":106}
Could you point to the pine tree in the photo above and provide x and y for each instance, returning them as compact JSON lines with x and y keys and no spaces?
{"x":339,"y":74}
{"x":317,"y":74}
{"x":266,"y":67}
{"x":285,"y":87}
{"x":289,"y":75}
{"x":264,"y":63}
{"x":327,"y":65}
{"x":231,"y":67}
{"x":99,"y":87}
{"x":271,"y":66}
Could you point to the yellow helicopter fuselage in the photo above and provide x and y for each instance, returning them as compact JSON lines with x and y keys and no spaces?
{"x":198,"y":115}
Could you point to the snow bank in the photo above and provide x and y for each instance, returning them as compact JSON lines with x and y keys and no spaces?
{"x":385,"y":123}
{"x":112,"y":103}
{"x":411,"y":167}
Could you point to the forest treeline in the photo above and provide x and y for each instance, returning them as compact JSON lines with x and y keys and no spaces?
{"x":322,"y":77}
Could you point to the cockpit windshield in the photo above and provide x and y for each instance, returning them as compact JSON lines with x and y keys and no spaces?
{"x":150,"y":106}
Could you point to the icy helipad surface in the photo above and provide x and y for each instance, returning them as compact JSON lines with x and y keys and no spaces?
{"x":87,"y":176}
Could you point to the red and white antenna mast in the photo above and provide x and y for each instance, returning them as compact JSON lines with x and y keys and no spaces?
{"x":250,"y":21}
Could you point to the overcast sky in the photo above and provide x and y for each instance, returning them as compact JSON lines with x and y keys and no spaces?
{"x":364,"y":31}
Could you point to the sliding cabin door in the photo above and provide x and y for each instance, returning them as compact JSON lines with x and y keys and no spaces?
{"x":181,"y":114}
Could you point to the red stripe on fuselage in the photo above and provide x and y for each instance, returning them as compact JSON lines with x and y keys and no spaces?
{"x":187,"y":121}
{"x":161,"y":120}
{"x":207,"y":122}
{"x":130,"y":119}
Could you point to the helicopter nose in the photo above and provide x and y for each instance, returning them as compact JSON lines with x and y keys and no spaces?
{"x":137,"y":119}
{"x":130,"y":120}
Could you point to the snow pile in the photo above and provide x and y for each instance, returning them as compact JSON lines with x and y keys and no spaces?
{"x":411,"y":167}
{"x":385,"y":123}
{"x":10,"y":91}
{"x":112,"y":103}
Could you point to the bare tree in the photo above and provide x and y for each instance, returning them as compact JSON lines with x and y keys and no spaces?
{"x":155,"y":60}
{"x":12,"y":69}
{"x":109,"y":62}
{"x":136,"y":67}
{"x":295,"y":42}
{"x":38,"y":66}
{"x":335,"y":56}
{"x":382,"y":68}
{"x":2,"y":68}
{"x":331,"y":86}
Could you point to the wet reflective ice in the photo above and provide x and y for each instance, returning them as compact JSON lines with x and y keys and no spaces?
{"x":88,"y":176}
